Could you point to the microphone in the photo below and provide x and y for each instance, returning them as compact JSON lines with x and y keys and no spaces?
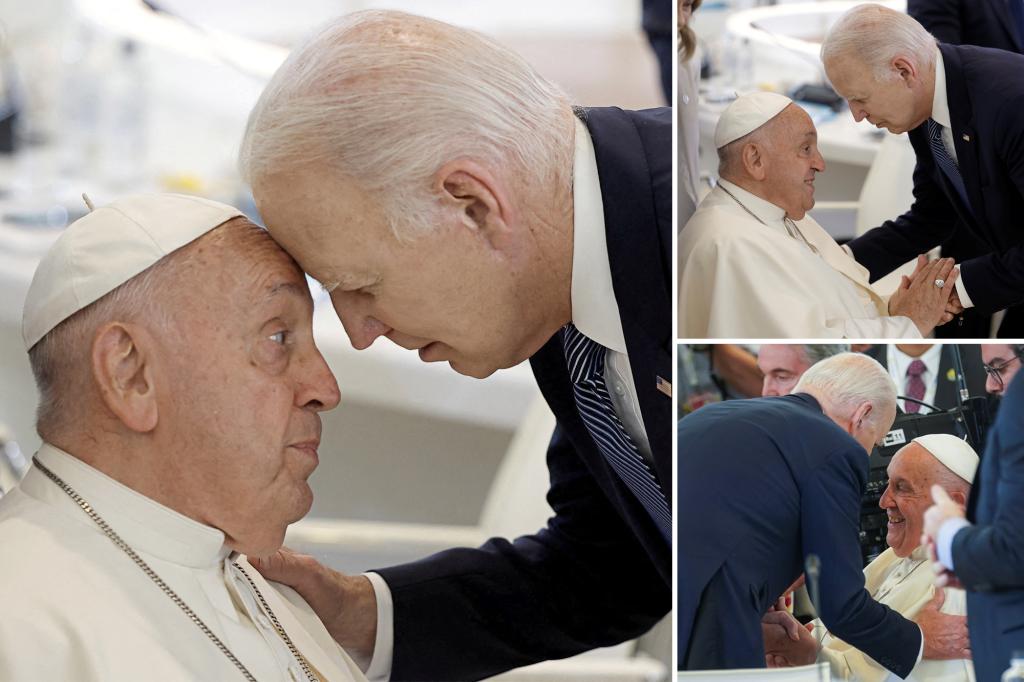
{"x":812,"y":571}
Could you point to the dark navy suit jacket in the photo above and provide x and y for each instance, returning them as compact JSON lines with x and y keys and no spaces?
{"x":762,"y":484}
{"x":988,"y":557}
{"x":985,"y":23}
{"x":600,"y":572}
{"x":985,"y":89}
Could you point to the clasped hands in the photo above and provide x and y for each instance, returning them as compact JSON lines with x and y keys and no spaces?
{"x":920,"y":297}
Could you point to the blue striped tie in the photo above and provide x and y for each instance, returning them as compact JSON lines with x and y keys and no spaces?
{"x":585,"y":358}
{"x":945,"y":161}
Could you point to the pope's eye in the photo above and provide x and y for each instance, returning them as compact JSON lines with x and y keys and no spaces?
{"x":279,"y":337}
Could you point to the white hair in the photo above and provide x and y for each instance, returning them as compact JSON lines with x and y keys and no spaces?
{"x":388,"y":98}
{"x":845,"y":381}
{"x":877,"y":35}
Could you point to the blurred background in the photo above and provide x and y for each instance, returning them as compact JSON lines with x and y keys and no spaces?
{"x":108,"y":97}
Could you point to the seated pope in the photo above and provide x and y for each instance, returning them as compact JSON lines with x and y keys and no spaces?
{"x":180,"y":391}
{"x":753,"y":264}
{"x":901,"y":576}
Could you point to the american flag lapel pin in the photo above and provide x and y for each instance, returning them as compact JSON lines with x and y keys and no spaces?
{"x":664,"y":386}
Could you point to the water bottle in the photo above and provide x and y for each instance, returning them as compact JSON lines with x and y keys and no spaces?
{"x":1015,"y":673}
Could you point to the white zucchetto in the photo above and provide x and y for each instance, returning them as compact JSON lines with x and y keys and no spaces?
{"x":746,"y":114}
{"x":104,"y":249}
{"x":953,"y":452}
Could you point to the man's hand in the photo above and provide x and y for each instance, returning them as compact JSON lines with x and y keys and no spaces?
{"x":940,"y":512}
{"x":920,"y":299}
{"x":936,"y":515}
{"x":953,"y":305}
{"x":945,"y":636}
{"x":346,"y":604}
{"x":786,"y":642}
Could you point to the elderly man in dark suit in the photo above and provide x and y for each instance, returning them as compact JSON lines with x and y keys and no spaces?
{"x":453,"y":201}
{"x":961,"y":106}
{"x":985,"y":23}
{"x":766,"y":483}
{"x":984,"y":552}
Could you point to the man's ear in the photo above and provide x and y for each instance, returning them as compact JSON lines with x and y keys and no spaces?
{"x":123,"y":371}
{"x":753,"y":161}
{"x":478,"y":197}
{"x":959,"y":497}
{"x":906,"y":69}
{"x":860,"y":415}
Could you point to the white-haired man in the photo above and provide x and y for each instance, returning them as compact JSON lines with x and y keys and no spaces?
{"x":960,"y":106}
{"x":901,"y":576}
{"x":453,"y":201}
{"x":752,"y":263}
{"x":766,"y":484}
{"x":172,"y":344}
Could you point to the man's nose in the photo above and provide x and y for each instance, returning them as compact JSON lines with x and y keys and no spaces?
{"x":992,"y":386}
{"x":318,"y":388}
{"x":858,"y":112}
{"x":819,"y":162}
{"x":885,"y":502}
{"x":361,"y":327}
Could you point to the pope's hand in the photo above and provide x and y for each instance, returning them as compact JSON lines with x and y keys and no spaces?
{"x":346,"y":604}
{"x":920,"y":298}
{"x":945,"y":635}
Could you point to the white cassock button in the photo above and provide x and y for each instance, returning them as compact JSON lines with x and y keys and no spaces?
{"x":619,"y":389}
{"x":686,"y":99}
{"x":295,"y":672}
{"x":263,"y":621}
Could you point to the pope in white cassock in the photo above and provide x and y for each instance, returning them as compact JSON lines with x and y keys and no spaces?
{"x":901,"y":576}
{"x":753,"y":264}
{"x":171,"y":340}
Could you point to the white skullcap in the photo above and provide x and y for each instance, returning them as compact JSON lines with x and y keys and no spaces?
{"x":953,"y":452}
{"x":104,"y":249}
{"x":746,"y":114}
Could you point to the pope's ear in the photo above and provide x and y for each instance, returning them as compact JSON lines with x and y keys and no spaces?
{"x":753,"y":160}
{"x":123,"y":372}
{"x":479,"y":199}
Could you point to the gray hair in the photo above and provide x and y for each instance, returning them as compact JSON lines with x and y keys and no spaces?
{"x":388,"y":98}
{"x":845,"y":381}
{"x":61,"y":361}
{"x":877,"y":35}
{"x":816,"y":352}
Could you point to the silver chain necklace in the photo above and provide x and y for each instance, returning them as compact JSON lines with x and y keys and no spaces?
{"x":791,"y":226}
{"x":171,"y":594}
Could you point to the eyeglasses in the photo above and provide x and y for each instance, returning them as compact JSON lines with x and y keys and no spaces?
{"x":997,"y":371}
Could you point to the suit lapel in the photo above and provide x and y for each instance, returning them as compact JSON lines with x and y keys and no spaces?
{"x":965,"y":138}
{"x":641,"y":270}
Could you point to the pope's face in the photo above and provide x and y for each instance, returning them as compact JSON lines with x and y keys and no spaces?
{"x":246,"y":385}
{"x":794,"y":161}
{"x":451,"y":294}
{"x":782,"y":366}
{"x":908,"y":496}
{"x":895,"y":104}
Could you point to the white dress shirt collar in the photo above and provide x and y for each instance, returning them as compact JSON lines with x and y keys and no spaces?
{"x":145,"y":525}
{"x":595,"y":312}
{"x":768,"y":213}
{"x":940,"y":103}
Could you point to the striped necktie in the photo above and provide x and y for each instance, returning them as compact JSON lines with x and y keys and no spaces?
{"x":586,"y":360}
{"x":945,"y":161}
